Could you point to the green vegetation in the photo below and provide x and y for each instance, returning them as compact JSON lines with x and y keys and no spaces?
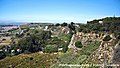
{"x":71,"y":26}
{"x":109,"y":24}
{"x":65,"y":37}
{"x":33,"y":42}
{"x":2,"y":55}
{"x":78,"y":44}
{"x":87,"y":50}
{"x":53,"y":42}
{"x":117,"y":35}
{"x":27,"y":44}
{"x":65,"y":47}
{"x":71,"y":58}
{"x":58,"y":43}
{"x":115,"y":41}
{"x":57,"y":24}
{"x":64,"y":24}
{"x":50,"y":49}
{"x":107,"y":38}
{"x":35,"y":60}
{"x":2,"y":46}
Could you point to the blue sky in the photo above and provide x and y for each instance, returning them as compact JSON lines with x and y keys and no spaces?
{"x":57,"y":10}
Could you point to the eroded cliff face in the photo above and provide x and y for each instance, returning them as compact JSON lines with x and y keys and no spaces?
{"x":116,"y":54}
{"x":85,"y":38}
{"x":103,"y":54}
{"x":108,"y":51}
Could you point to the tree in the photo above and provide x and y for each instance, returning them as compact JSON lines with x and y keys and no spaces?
{"x":78,"y":44}
{"x":71,"y":26}
{"x":33,"y":42}
{"x":72,"y":23}
{"x":57,"y":24}
{"x":64,"y":24}
{"x":29,"y":44}
{"x":2,"y":55}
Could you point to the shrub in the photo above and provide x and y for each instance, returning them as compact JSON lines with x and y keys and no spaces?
{"x":64,"y":24}
{"x":115,"y":41}
{"x":2,"y":46}
{"x":26,"y":52}
{"x":2,"y":55}
{"x":65,"y":37}
{"x":50,"y":49}
{"x":65,"y":47}
{"x":78,"y":44}
{"x":107,"y":38}
{"x":88,"y":49}
{"x":3,"y":39}
{"x":57,"y":24}
{"x":117,"y":35}
{"x":31,"y":58}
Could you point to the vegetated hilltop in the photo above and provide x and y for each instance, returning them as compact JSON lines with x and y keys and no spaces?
{"x":108,"y":24}
{"x":96,"y":42}
{"x":109,"y":30}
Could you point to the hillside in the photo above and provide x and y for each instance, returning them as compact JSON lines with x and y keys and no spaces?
{"x":48,"y":46}
{"x":34,"y":60}
{"x":93,"y":52}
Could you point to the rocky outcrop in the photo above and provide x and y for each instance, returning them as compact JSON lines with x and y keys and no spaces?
{"x":103,"y":54}
{"x":107,"y":53}
{"x":72,"y":44}
{"x":116,"y":54}
{"x":87,"y":38}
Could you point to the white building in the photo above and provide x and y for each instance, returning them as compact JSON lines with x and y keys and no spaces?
{"x":101,"y":22}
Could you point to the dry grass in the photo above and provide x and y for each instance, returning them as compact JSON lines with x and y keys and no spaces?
{"x":5,"y":42}
{"x":39,"y":60}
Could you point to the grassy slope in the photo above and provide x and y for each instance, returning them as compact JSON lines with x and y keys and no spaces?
{"x":23,"y":61}
{"x":71,"y":58}
{"x":48,"y":60}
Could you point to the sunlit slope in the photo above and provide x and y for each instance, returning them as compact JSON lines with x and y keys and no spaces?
{"x":35,"y":60}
